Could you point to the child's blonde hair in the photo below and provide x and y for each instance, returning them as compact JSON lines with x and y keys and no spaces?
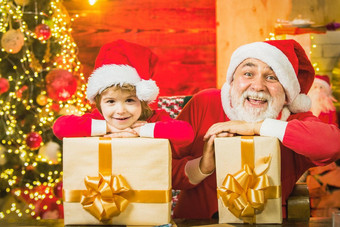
{"x":146,"y":110}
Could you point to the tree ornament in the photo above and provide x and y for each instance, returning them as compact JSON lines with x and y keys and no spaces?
{"x":33,"y":140}
{"x":12,"y":41}
{"x":22,"y":2}
{"x":51,"y":151}
{"x":4,"y":85}
{"x":60,"y":85}
{"x":41,"y":100}
{"x":58,"y":190}
{"x":21,"y":90}
{"x":43,"y":32}
{"x":55,"y":107}
{"x":44,"y":202}
{"x":3,"y":159}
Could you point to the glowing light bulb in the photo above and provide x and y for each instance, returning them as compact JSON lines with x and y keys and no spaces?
{"x":92,"y":2}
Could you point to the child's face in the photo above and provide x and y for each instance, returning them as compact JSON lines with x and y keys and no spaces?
{"x":120,"y":108}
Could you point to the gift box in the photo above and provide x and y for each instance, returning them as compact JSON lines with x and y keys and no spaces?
{"x":116,"y":181}
{"x":248,"y":171}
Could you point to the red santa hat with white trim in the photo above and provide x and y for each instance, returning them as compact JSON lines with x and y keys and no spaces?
{"x":289,"y":62}
{"x":121,"y":62}
{"x":324,"y":80}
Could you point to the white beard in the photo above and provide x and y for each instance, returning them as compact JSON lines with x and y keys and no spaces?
{"x":236,"y":110}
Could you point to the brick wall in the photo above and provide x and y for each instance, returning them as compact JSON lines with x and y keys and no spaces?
{"x":325,"y":50}
{"x":325,"y":53}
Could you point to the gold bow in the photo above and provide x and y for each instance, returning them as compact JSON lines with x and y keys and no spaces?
{"x":102,"y":198}
{"x":245,"y":192}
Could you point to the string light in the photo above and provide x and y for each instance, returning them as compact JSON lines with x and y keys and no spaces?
{"x":29,"y":71}
{"x":92,"y":2}
{"x":272,"y":36}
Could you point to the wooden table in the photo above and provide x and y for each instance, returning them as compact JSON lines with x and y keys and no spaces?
{"x":313,"y":222}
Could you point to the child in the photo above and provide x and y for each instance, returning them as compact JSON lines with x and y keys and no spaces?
{"x":122,"y":89}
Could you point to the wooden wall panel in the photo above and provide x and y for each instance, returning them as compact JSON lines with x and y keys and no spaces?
{"x":181,"y":32}
{"x":239,"y":24}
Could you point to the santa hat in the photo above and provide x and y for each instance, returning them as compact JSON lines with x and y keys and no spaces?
{"x":324,"y":80}
{"x":289,"y":62}
{"x":122,"y":62}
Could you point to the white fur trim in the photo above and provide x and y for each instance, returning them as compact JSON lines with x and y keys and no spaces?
{"x":274,"y":128}
{"x":98,"y":127}
{"x":108,"y":75}
{"x":147,"y":90}
{"x":147,"y":130}
{"x":272,"y":56}
{"x":301,"y":103}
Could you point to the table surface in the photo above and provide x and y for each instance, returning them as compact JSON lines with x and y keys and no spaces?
{"x":313,"y":222}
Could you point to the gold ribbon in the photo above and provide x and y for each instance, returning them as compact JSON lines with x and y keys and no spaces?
{"x":108,"y":195}
{"x":246,"y":192}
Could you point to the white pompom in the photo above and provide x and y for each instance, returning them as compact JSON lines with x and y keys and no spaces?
{"x":147,"y":90}
{"x":301,"y":103}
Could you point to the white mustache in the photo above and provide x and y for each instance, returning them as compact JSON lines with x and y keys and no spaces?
{"x":256,"y":95}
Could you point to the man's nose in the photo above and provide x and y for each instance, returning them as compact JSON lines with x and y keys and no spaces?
{"x":258,"y":83}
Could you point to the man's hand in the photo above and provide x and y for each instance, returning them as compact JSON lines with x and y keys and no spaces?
{"x":231,"y":128}
{"x":207,"y":163}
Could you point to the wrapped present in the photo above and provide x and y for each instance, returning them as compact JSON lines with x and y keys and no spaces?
{"x":119,"y":181}
{"x":248,"y":171}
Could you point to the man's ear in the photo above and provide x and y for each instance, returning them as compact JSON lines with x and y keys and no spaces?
{"x":286,"y":100}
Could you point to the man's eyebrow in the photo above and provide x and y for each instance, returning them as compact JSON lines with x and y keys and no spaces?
{"x":248,"y":64}
{"x":251,"y":64}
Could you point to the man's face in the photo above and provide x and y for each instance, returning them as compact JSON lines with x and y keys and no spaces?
{"x":256,"y":92}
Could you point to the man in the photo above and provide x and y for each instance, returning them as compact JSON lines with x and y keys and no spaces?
{"x":264,"y":94}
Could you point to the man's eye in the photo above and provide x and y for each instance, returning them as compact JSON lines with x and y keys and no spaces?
{"x":270,"y":77}
{"x":248,"y":74}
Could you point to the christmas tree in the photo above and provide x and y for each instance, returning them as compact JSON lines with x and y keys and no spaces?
{"x":40,"y":79}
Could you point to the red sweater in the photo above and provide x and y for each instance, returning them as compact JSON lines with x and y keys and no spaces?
{"x":178,"y":132}
{"x":301,"y":149}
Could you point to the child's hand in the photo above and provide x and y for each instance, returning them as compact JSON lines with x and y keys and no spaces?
{"x":136,"y":126}
{"x":122,"y":134}
{"x":112,"y":129}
